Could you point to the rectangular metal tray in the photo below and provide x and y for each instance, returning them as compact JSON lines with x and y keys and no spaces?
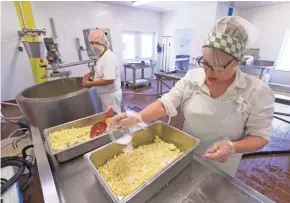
{"x":167,"y":133}
{"x":81,"y":148}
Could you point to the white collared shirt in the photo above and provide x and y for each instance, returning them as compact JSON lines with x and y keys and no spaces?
{"x":255,"y":96}
{"x":107,"y":68}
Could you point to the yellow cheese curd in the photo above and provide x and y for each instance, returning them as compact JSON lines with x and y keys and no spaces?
{"x":65,"y":138}
{"x":127,"y":171}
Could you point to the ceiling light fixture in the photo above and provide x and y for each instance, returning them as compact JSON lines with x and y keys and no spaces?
{"x":139,"y":3}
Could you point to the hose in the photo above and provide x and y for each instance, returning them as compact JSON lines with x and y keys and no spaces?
{"x":15,"y":140}
{"x":20,"y":124}
{"x":266,"y":153}
{"x":6,"y":161}
{"x":11,"y":134}
{"x":10,"y":121}
{"x":8,"y":103}
{"x":12,"y":118}
{"x":21,"y":163}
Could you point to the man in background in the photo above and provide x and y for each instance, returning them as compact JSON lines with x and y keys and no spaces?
{"x":107,"y":72}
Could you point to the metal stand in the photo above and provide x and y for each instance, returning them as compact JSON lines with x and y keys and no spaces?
{"x":137,"y":82}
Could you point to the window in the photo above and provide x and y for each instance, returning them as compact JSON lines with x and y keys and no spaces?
{"x":283,"y":62}
{"x":129,"y":45}
{"x":138,"y":46}
{"x":147,"y":46}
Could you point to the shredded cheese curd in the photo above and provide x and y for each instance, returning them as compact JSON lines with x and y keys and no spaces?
{"x":63,"y":139}
{"x":127,"y":171}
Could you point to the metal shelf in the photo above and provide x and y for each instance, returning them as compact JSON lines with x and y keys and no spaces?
{"x":141,"y":81}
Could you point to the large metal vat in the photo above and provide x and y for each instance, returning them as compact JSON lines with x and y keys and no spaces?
{"x":56,"y":102}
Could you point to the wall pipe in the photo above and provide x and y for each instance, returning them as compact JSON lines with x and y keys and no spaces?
{"x":72,"y":64}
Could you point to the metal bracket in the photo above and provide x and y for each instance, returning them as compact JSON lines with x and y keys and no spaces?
{"x":79,"y":48}
{"x":31,"y":32}
{"x":61,"y":74}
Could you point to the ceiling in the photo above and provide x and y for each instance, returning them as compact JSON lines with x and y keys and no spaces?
{"x":165,"y":6}
{"x":156,"y":6}
{"x":251,"y":4}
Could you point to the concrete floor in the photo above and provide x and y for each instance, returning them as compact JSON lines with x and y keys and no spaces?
{"x":269,"y":175}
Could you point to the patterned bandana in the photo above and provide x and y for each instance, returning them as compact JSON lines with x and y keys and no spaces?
{"x":228,"y":44}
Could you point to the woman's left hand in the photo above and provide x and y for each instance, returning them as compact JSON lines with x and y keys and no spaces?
{"x":220,"y":151}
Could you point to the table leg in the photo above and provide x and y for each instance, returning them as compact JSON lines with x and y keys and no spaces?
{"x":161,"y":87}
{"x":262,"y":73}
{"x":134,"y":78}
{"x":142,"y":73}
{"x":157,"y":80}
{"x":125,"y":75}
{"x":152,"y":73}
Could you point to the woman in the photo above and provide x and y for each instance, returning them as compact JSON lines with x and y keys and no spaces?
{"x":229,"y":111}
{"x":107,"y":74}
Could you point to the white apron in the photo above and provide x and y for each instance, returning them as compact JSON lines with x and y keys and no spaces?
{"x":111,"y":100}
{"x":212,"y":120}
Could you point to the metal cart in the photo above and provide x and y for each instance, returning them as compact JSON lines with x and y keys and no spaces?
{"x":137,"y":82}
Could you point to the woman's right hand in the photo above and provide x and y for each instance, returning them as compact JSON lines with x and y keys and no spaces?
{"x":124,"y":120}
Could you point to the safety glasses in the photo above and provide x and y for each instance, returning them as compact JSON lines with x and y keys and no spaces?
{"x":216,"y":68}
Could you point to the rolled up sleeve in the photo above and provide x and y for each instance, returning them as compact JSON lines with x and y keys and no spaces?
{"x":173,"y":98}
{"x":259,"y":122}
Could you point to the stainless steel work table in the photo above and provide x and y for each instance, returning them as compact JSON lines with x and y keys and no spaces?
{"x":261,"y":68}
{"x":73,"y":182}
{"x":174,"y":76}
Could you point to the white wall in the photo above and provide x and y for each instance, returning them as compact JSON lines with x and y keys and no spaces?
{"x":16,"y":73}
{"x":199,"y":17}
{"x":271,"y":22}
{"x":183,"y":41}
{"x":223,"y":9}
{"x":70,"y":19}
